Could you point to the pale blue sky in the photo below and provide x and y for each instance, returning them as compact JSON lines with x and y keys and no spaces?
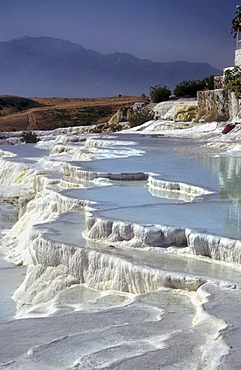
{"x":160,"y":30}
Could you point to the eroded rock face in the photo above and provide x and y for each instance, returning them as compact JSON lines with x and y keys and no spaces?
{"x":217,"y":105}
{"x":177,"y":110}
{"x":186,"y":113}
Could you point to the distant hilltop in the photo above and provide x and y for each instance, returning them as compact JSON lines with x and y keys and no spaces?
{"x":46,"y":66}
{"x":21,"y":114}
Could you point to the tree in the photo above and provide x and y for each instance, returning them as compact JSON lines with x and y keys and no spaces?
{"x":29,"y":137}
{"x":232,"y":80}
{"x":189,"y":89}
{"x":140,"y":117}
{"x":159,"y":93}
{"x":236,"y":22}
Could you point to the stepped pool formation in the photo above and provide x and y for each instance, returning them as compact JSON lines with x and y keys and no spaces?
{"x":122,"y":251}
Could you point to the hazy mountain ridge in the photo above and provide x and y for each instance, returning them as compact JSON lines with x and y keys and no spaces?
{"x":45,"y":66}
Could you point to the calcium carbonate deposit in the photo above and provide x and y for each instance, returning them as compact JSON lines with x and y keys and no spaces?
{"x":121,"y":251}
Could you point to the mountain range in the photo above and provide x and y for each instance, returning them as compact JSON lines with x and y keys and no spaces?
{"x":46,"y":66}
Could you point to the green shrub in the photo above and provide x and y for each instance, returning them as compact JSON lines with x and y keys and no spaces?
{"x":29,"y":137}
{"x":232,"y":80}
{"x":189,"y":89}
{"x":159,"y":93}
{"x":140,"y":117}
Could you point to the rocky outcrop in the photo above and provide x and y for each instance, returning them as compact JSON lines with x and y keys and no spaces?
{"x":177,"y":110}
{"x":217,"y":105}
{"x":186,"y":113}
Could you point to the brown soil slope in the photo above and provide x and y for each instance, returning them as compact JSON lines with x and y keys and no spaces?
{"x":19,"y":114}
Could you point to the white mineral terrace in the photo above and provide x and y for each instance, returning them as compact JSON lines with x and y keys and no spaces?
{"x":132,"y":249}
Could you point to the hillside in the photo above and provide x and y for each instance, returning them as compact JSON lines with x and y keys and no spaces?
{"x":19,"y":113}
{"x":15,"y":104}
{"x":45,"y":66}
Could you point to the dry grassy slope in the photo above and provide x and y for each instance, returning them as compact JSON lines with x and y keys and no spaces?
{"x":18,"y":113}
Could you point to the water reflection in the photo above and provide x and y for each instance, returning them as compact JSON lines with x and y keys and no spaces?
{"x":228,"y":172}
